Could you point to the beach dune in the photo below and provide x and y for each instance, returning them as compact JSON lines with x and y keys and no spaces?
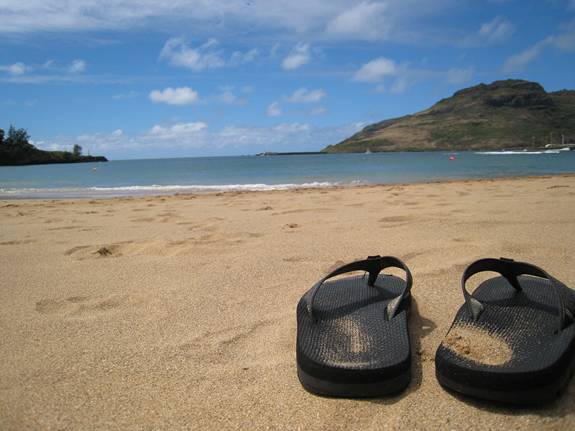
{"x":178,"y":312}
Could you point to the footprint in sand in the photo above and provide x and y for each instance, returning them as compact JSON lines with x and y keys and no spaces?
{"x":78,"y":306}
{"x":396,"y":219}
{"x":18,"y":242}
{"x":86,"y":252}
{"x":162,"y":247}
{"x":241,"y":346}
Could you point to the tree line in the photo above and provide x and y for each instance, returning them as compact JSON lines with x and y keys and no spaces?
{"x":16,"y":149}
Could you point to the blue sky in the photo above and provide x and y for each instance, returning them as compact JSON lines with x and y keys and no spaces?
{"x":143,"y":78}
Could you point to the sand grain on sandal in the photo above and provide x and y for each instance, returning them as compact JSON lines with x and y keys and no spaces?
{"x":478,"y":345}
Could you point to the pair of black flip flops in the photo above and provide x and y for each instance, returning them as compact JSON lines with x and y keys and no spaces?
{"x":512,"y":341}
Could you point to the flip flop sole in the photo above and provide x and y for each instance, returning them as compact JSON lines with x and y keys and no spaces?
{"x":535,"y":396}
{"x":354,"y":390}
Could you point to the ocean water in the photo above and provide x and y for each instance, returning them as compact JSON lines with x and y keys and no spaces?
{"x":197,"y":175}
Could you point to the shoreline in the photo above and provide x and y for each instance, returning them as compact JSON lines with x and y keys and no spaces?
{"x":176,"y":190}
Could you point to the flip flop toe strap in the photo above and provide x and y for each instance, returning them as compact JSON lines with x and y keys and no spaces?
{"x":373,"y":265}
{"x":511,"y":269}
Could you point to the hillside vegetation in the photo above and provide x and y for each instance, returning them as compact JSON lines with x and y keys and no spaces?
{"x":16,"y":149}
{"x":501,"y":115}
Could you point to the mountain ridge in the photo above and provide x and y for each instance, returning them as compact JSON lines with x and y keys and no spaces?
{"x":505,"y":114}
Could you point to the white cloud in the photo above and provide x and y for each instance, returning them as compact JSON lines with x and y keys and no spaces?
{"x":518,"y":61}
{"x":303,"y":95}
{"x":459,"y":76}
{"x":274,"y":110}
{"x":496,"y":30}
{"x":22,"y":73}
{"x":298,"y":56}
{"x":564,"y":41}
{"x":15,"y":69}
{"x":376,"y":70}
{"x":77,"y":66}
{"x":311,"y":20}
{"x":393,"y":78}
{"x":239,"y":58}
{"x":207,"y":56}
{"x":178,"y":53}
{"x":400,"y":85}
{"x":175,"y":131}
{"x":363,"y":21}
{"x":195,"y":138}
{"x":175,"y":96}
{"x":228,"y":96}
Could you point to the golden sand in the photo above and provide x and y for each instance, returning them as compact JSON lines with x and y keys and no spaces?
{"x":478,"y":345}
{"x":179,"y":312}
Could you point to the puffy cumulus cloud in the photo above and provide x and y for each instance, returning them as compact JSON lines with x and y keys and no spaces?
{"x":175,"y":131}
{"x":179,"y":53}
{"x":400,"y":77}
{"x":274,"y":110}
{"x":297,"y":57}
{"x":195,"y":138}
{"x":564,"y":41}
{"x":375,"y":70}
{"x":363,"y":21}
{"x":497,"y":30}
{"x":175,"y":96}
{"x":303,"y":95}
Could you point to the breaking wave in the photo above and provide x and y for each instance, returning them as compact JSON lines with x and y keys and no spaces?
{"x":502,"y":153}
{"x":79,"y":192}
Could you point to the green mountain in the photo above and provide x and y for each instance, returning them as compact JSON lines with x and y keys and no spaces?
{"x":500,"y":115}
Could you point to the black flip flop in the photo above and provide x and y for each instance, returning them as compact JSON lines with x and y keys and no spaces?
{"x":352,"y":335}
{"x":513,"y":339}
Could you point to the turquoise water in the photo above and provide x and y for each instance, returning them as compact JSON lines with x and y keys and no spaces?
{"x":195,"y":175}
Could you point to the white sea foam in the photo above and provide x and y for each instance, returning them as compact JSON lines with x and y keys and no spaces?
{"x":73,"y":192}
{"x":504,"y":153}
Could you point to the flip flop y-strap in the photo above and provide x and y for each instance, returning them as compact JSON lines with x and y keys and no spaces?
{"x":373,"y":265}
{"x":510,"y":270}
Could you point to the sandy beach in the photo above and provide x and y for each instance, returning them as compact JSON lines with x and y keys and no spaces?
{"x":178,"y":312}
